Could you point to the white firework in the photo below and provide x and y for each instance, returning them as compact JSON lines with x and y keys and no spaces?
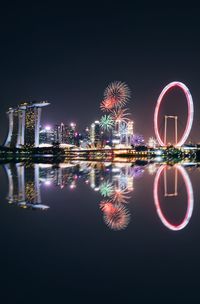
{"x":152,"y":142}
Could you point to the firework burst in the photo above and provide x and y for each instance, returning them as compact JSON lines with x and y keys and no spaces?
{"x":152,"y":142}
{"x":123,"y":128}
{"x":116,"y":216}
{"x":120,"y":115}
{"x":137,"y":140}
{"x":106,"y":189}
{"x":116,"y":94}
{"x":106,"y":122}
{"x":107,"y":104}
{"x":121,"y":196}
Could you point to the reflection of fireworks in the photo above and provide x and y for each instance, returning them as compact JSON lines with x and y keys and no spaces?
{"x":107,"y":206}
{"x":116,"y":94}
{"x":106,"y":122}
{"x":120,"y":115}
{"x":137,"y":171}
{"x":152,"y":169}
{"x":121,"y":196}
{"x":137,"y":140}
{"x":106,"y":189}
{"x":116,"y":216}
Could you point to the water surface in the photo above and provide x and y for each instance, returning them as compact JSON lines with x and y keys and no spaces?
{"x":99,"y":232}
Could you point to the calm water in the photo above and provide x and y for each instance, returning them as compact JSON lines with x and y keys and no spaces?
{"x":99,"y":233}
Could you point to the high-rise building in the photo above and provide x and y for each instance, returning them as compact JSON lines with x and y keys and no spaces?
{"x":95,"y":133}
{"x":71,"y":134}
{"x":47,"y":136}
{"x":24,"y":124}
{"x":123,"y":133}
{"x":65,"y":134}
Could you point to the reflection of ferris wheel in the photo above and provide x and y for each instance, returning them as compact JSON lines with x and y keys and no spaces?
{"x":189,"y":118}
{"x":190,"y":197}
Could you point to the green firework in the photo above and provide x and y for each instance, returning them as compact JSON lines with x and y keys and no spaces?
{"x":107,"y":123}
{"x":106,"y":189}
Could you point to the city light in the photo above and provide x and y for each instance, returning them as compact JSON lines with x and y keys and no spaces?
{"x":47,"y":128}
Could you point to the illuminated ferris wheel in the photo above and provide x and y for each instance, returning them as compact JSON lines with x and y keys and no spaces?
{"x":190,"y":106}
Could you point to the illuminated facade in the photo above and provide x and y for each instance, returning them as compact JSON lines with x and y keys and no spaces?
{"x":47,"y":136}
{"x":15,"y":119}
{"x":95,"y":133}
{"x":64,"y":133}
{"x":24,"y":124}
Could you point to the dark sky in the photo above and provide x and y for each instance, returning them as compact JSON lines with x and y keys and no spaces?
{"x":68,"y":53}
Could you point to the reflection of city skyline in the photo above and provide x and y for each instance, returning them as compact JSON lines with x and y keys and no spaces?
{"x":114,"y":182}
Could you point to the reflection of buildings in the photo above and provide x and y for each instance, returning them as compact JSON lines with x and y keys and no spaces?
{"x":190,"y":198}
{"x":61,"y":175}
{"x":94,"y":178}
{"x":24,"y":188}
{"x":123,"y":177}
{"x":113,"y":181}
{"x":24,"y":124}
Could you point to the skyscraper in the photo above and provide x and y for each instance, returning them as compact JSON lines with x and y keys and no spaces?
{"x":47,"y":136}
{"x":65,"y":134}
{"x":95,"y":133}
{"x":24,"y":123}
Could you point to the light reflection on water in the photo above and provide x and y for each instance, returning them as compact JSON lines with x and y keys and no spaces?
{"x":115,"y":185}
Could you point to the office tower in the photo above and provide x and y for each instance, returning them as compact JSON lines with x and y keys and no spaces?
{"x":95,"y":133}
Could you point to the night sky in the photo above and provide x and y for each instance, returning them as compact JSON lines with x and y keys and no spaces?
{"x":68,"y":53}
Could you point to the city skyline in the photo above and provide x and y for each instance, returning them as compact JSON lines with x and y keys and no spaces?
{"x":99,"y":151}
{"x":114,"y":128}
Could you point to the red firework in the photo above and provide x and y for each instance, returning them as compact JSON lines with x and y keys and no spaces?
{"x":107,"y":104}
{"x":116,"y":216}
{"x":121,"y":196}
{"x":117,"y":93}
